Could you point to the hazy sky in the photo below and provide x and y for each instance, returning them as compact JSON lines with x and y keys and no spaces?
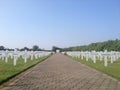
{"x":62,"y":23}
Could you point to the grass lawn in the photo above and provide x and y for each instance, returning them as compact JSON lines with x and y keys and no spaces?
{"x":112,"y":69}
{"x":8,"y":70}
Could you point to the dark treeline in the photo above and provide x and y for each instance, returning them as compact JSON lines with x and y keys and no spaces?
{"x":99,"y":46}
{"x":54,"y":48}
{"x":34,"y":48}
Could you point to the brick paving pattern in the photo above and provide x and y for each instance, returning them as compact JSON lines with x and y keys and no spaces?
{"x":62,"y":73}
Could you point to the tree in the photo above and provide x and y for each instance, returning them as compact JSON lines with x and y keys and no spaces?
{"x":35,"y":48}
{"x":25,"y":48}
{"x":2,"y":48}
{"x":54,"y":48}
{"x":98,"y":46}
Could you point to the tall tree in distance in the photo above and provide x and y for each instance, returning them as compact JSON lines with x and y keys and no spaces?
{"x":54,"y":48}
{"x":35,"y":48}
{"x":2,"y":48}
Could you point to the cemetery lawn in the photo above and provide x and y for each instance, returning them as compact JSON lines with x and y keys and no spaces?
{"x":111,"y":70}
{"x":8,"y":70}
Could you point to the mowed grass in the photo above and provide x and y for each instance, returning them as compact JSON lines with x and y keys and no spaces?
{"x":111,"y":70}
{"x":8,"y":70}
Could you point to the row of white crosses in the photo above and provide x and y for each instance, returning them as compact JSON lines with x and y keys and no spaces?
{"x":93,"y":55}
{"x":4,"y":55}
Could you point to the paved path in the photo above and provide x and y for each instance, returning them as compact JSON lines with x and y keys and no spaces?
{"x":61,"y":73}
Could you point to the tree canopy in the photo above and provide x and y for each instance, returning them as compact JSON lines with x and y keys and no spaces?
{"x":98,"y":46}
{"x":54,"y":48}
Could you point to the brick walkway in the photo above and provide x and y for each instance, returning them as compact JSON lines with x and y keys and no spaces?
{"x":61,"y":73}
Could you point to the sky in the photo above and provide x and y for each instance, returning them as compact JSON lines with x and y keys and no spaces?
{"x":61,"y":23}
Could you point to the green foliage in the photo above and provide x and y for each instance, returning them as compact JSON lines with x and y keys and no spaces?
{"x":2,"y":48}
{"x":35,"y":48}
{"x":54,"y":48}
{"x":99,"y":46}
